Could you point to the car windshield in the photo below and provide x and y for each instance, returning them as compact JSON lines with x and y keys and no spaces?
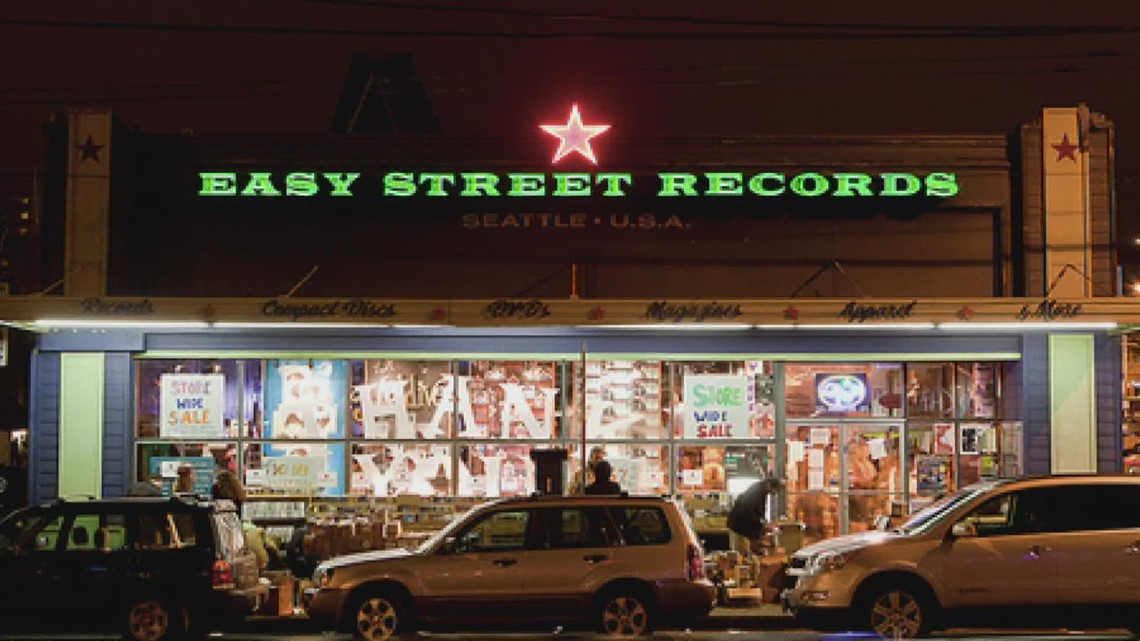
{"x":445,"y":532}
{"x":927,"y":517}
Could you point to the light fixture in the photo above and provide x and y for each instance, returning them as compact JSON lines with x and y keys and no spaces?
{"x":73,"y":323}
{"x":1017,"y":327}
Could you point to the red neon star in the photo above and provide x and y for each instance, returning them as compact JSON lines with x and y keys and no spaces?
{"x":1065,"y":149}
{"x":574,"y":136}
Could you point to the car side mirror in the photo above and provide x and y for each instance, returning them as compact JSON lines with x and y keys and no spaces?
{"x":964,"y":529}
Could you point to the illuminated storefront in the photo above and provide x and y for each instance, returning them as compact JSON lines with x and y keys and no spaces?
{"x":879,"y":319}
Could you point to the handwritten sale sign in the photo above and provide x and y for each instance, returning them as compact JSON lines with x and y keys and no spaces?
{"x":716,"y":406}
{"x":191,"y":406}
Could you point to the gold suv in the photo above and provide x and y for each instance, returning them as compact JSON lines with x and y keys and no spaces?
{"x":622,"y":564}
{"x":1059,"y":551}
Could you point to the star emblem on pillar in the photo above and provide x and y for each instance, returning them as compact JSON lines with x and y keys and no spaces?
{"x":574,"y":136}
{"x":1065,"y":149}
{"x":89,"y":150}
{"x":791,"y":313}
{"x":966,"y":313}
{"x":439,"y":314}
{"x":209,"y":313}
{"x":597,"y":313}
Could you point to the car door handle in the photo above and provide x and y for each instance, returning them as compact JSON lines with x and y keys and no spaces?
{"x":1036,"y":551}
{"x":1133,"y":549}
{"x":595,"y":558}
{"x":504,"y":563}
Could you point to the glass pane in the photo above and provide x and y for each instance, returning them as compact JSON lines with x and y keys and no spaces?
{"x":872,"y":473}
{"x":638,"y":468}
{"x":398,"y":468}
{"x":819,"y":513}
{"x":977,"y":389}
{"x":929,"y":392}
{"x":402,"y":399}
{"x":305,"y":399}
{"x":510,"y":400}
{"x":931,"y":469}
{"x":844,"y":389}
{"x":722,"y":400}
{"x":160,"y":464}
{"x":187,"y":399}
{"x":294,"y":468}
{"x":641,"y":525}
{"x":979,"y":447}
{"x":495,"y":470}
{"x":623,"y":400}
{"x":497,"y":531}
{"x":253,"y":398}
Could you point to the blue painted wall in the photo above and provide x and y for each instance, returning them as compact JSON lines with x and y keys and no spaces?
{"x":43,"y":481}
{"x":118,"y":422}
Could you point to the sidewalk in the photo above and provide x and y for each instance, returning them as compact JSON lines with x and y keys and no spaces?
{"x":766,"y":616}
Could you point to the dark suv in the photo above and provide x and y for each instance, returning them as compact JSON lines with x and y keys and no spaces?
{"x":150,"y":568}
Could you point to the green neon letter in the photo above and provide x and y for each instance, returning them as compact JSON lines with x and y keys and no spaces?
{"x":613,"y":183}
{"x":527,"y":185}
{"x":756,"y":184}
{"x":218,"y":184}
{"x":400,"y":184}
{"x":341,"y":183}
{"x":852,"y":185}
{"x":480,"y":184}
{"x":891,"y":186}
{"x":435,"y":183}
{"x":942,"y":185}
{"x":301,"y":183}
{"x":671,"y":183}
{"x":725,"y":184}
{"x":260,"y":184}
{"x":819,"y":184}
{"x":571,"y":184}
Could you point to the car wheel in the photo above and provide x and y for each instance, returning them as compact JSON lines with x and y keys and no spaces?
{"x":624,"y":613}
{"x":377,"y":616}
{"x":153,"y":619}
{"x":898,"y":613}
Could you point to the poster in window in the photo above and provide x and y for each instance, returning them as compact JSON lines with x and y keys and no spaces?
{"x":304,"y":468}
{"x":305,"y":399}
{"x":191,"y":406}
{"x":842,"y":394}
{"x":932,"y":474}
{"x":970,"y":440}
{"x":716,"y":406}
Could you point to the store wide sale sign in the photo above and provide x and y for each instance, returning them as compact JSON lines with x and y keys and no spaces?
{"x":191,"y":406}
{"x":716,"y":406}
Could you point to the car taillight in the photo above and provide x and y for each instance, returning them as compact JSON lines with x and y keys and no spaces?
{"x":696,"y":563}
{"x":223,"y":574}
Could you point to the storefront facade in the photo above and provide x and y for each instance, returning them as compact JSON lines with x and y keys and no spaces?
{"x":879,"y":319}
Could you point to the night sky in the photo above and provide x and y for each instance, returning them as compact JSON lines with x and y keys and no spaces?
{"x":718,"y":68}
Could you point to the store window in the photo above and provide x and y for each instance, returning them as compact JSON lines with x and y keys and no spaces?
{"x":411,"y":400}
{"x":622,"y":400}
{"x":722,"y":400}
{"x":187,"y":400}
{"x":295,"y":468}
{"x":305,"y":399}
{"x":844,"y":390}
{"x":395,"y":469}
{"x":508,"y":400}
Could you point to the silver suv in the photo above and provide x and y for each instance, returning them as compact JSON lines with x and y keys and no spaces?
{"x":1059,"y":551}
{"x":623,"y":564}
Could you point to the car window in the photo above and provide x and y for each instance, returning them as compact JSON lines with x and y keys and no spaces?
{"x":504,"y":530}
{"x":641,"y":525}
{"x":96,"y":532}
{"x":164,"y":530}
{"x":47,"y":538}
{"x":18,"y":526}
{"x":574,"y":528}
{"x":1024,"y":512}
{"x":231,"y":539}
{"x":1098,"y":507}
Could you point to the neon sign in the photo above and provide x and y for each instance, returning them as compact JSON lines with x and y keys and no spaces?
{"x":678,"y":185}
{"x":574,"y":136}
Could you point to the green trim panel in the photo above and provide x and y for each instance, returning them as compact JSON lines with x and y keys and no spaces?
{"x":1072,"y":403}
{"x":499,"y":356}
{"x":81,"y":389}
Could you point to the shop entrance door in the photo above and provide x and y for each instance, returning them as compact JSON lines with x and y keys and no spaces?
{"x":842,"y":474}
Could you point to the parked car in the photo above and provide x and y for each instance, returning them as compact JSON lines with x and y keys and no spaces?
{"x":622,"y":564}
{"x":1058,"y":551}
{"x":150,"y":568}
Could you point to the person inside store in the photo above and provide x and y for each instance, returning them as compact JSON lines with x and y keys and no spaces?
{"x":148,"y":487}
{"x":603,"y":484}
{"x":597,"y":453}
{"x":186,"y":478}
{"x":227,"y":485}
{"x":749,"y":516}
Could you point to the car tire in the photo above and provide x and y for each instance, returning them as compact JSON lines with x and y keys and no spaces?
{"x":897,"y":612}
{"x":624,"y":612}
{"x":152,"y":618}
{"x":377,"y":615}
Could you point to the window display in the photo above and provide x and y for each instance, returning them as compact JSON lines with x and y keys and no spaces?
{"x":723,"y":400}
{"x":853,"y":390}
{"x":495,"y":470}
{"x":305,"y":399}
{"x":929,"y":390}
{"x":191,"y":400}
{"x":395,"y":469}
{"x":402,"y":399}
{"x":295,"y":468}
{"x":623,"y":400}
{"x":508,"y":400}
